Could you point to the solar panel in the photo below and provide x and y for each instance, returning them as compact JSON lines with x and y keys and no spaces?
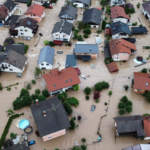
{"x":28,"y":23}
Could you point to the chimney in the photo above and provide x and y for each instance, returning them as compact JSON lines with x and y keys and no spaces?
{"x":149,"y":76}
{"x":37,"y":102}
{"x":44,"y":113}
{"x":59,"y":70}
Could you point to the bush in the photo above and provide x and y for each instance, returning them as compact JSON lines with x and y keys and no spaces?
{"x":17,"y":104}
{"x":13,"y":135}
{"x":24,"y":92}
{"x":80,"y":38}
{"x":99,"y":31}
{"x":76,"y":148}
{"x":101,"y":85}
{"x":110,"y":93}
{"x":46,"y":42}
{"x":41,"y":97}
{"x":103,"y":25}
{"x":126,"y":87}
{"x":144,"y":70}
{"x":129,"y":108}
{"x":134,"y":24}
{"x":138,"y":5}
{"x":45,"y":93}
{"x":62,"y":96}
{"x":37,"y":91}
{"x":121,"y":111}
{"x":128,"y":103}
{"x":87,"y":31}
{"x":73,"y":101}
{"x":103,"y":2}
{"x":97,"y":100}
{"x":146,"y":114}
{"x":67,"y":107}
{"x":26,"y":47}
{"x":87,"y":97}
{"x":81,"y":25}
{"x":73,"y":124}
{"x":124,"y":99}
{"x":147,"y":96}
{"x":105,"y":103}
{"x":76,"y":87}
{"x":33,"y":82}
{"x":121,"y":105}
{"x":29,"y":3}
{"x":28,"y":86}
{"x":83,"y":140}
{"x":1,"y":87}
{"x":108,"y":11}
{"x":96,"y":95}
{"x":51,"y":43}
{"x":87,"y":90}
{"x":85,"y":35}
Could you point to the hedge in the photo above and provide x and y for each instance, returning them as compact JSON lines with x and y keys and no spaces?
{"x":6,"y":130}
{"x":73,"y":101}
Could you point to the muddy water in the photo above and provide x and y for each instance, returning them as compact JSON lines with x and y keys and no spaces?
{"x":89,"y":124}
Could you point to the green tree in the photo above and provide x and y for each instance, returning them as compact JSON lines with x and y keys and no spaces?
{"x":103,"y":25}
{"x":124,"y":99}
{"x":73,"y":124}
{"x":28,"y":86}
{"x":29,"y":3}
{"x":76,"y":87}
{"x":85,"y":35}
{"x":37,"y":72}
{"x":87,"y":31}
{"x":26,"y":100}
{"x":76,"y":148}
{"x":46,"y":42}
{"x":144,"y":70}
{"x":147,"y":95}
{"x":128,"y":103}
{"x":81,"y":25}
{"x":41,"y":97}
{"x":101,"y":85}
{"x":121,"y":105}
{"x":87,"y":97}
{"x":80,"y":38}
{"x":103,"y":2}
{"x":67,"y":107}
{"x":87,"y":90}
{"x":83,"y":147}
{"x":13,"y":135}
{"x":83,"y":140}
{"x":33,"y":82}
{"x":73,"y":101}
{"x":129,"y":108}
{"x":37,"y":91}
{"x":121,"y":111}
{"x":108,"y":11}
{"x":45,"y":93}
{"x":24,"y":92}
{"x":17,"y":104}
{"x":1,"y":87}
{"x":51,"y":43}
{"x":110,"y":93}
{"x":62,"y":96}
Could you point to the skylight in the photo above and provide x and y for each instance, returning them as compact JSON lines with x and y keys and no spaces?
{"x":28,"y":23}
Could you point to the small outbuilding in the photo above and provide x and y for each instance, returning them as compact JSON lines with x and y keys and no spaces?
{"x":131,"y":40}
{"x":107,"y":52}
{"x":139,"y":30}
{"x":112,"y":67}
{"x":71,"y":61}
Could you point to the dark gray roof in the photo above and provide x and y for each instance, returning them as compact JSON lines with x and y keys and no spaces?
{"x":22,"y":1}
{"x":87,"y":2}
{"x":15,"y":47}
{"x":146,"y":6}
{"x":12,"y":20}
{"x":136,"y":147}
{"x":2,"y":56}
{"x":9,"y":41}
{"x":47,"y":55}
{"x":69,"y":10}
{"x":1,"y":48}
{"x":130,"y":124}
{"x":18,"y":147}
{"x":56,"y":118}
{"x":26,"y":22}
{"x":92,"y":15}
{"x":120,"y":27}
{"x":71,"y":61}
{"x":9,"y":4}
{"x":132,"y":40}
{"x":107,"y":51}
{"x":86,"y":48}
{"x":63,"y":26}
{"x":138,"y":30}
{"x":15,"y":59}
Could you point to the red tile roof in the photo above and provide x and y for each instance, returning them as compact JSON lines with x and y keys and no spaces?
{"x":35,"y":9}
{"x":118,"y":11}
{"x":112,"y":67}
{"x":142,"y":81}
{"x":108,"y":31}
{"x":146,"y":121}
{"x":121,"y":46}
{"x":57,"y":80}
{"x":98,"y":8}
{"x":3,"y":11}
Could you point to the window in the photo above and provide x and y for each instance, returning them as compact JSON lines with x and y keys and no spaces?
{"x":47,"y":64}
{"x":124,"y":53}
{"x":10,"y":69}
{"x":139,"y":90}
{"x":21,"y":30}
{"x":42,"y":64}
{"x":56,"y":34}
{"x":64,"y":35}
{"x":22,"y":34}
{"x":26,"y":30}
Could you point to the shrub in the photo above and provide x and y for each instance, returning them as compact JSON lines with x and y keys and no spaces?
{"x":108,"y":11}
{"x":37,"y":72}
{"x":33,"y":82}
{"x":37,"y":91}
{"x":147,"y":96}
{"x":128,"y":103}
{"x":46,"y":42}
{"x":73,"y":101}
{"x":73,"y":124}
{"x":126,"y":87}
{"x":121,"y":111}
{"x":67,"y":107}
{"x":121,"y":105}
{"x":29,"y":3}
{"x":17,"y":104}
{"x":110,"y":93}
{"x":51,"y":43}
{"x":83,"y":147}
{"x":13,"y":135}
{"x":1,"y":87}
{"x":103,"y":2}
{"x":134,"y":24}
{"x":138,"y":5}
{"x":41,"y":97}
{"x":146,"y":114}
{"x":81,"y":25}
{"x":28,"y":86}
{"x":76,"y":87}
{"x":124,"y":99}
{"x":56,"y":148}
{"x":105,"y":103}
{"x":76,"y":148}
{"x":99,"y":31}
{"x":87,"y":97}
{"x":24,"y":92}
{"x":101,"y":85}
{"x":129,"y":108}
{"x":10,"y":112}
{"x":87,"y":90}
{"x":87,"y":31}
{"x":45,"y":93}
{"x":97,"y":100}
{"x":80,"y":38}
{"x":26,"y":47}
{"x":83,"y":140}
{"x":62,"y":96}
{"x":85,"y":35}
{"x":96,"y":95}
{"x":103,"y":25}
{"x":144,"y":70}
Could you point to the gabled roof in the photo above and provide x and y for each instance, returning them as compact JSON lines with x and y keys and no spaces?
{"x":86,"y":48}
{"x":130,"y":124}
{"x":118,"y":11}
{"x":142,"y":81}
{"x":12,"y":20}
{"x":9,"y":41}
{"x":63,"y":26}
{"x":138,"y":147}
{"x":15,"y":59}
{"x":146,"y":6}
{"x":18,"y":147}
{"x":2,"y":56}
{"x":120,"y":27}
{"x":9,"y":4}
{"x":3,"y":12}
{"x":46,"y":55}
{"x":107,"y":51}
{"x":92,"y":15}
{"x":35,"y":9}
{"x":56,"y":118}
{"x":69,"y":10}
{"x":26,"y":22}
{"x":121,"y":46}
{"x":112,"y":67}
{"x":87,"y":2}
{"x":138,"y":30}
{"x":71,"y":61}
{"x":146,"y":122}
{"x":56,"y":79}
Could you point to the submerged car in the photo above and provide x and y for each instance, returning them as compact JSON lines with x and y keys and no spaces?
{"x":59,"y":52}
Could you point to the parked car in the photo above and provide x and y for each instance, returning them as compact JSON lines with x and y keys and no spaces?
{"x":59,"y":52}
{"x":31,"y":143}
{"x":83,"y":76}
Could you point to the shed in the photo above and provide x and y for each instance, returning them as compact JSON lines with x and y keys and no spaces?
{"x":98,"y":40}
{"x":107,"y":51}
{"x":139,"y":30}
{"x":71,"y":61}
{"x":112,"y":67}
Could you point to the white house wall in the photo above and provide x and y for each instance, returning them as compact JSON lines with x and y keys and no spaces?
{"x":94,"y":26}
{"x":112,"y":4}
{"x":61,"y":36}
{"x":146,"y":13}
{"x":81,"y":5}
{"x":124,"y":20}
{"x":44,"y":65}
{"x":117,"y":36}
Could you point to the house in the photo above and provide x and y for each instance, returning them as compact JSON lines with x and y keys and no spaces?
{"x":86,"y":51}
{"x":141,"y":82}
{"x":46,"y":58}
{"x":12,"y":62}
{"x":51,"y":118}
{"x":68,"y":13}
{"x":120,"y":30}
{"x":92,"y":17}
{"x":130,"y":125}
{"x":11,"y":20}
{"x":146,"y":9}
{"x":8,"y":41}
{"x":118,"y":14}
{"x":35,"y":12}
{"x":62,"y":31}
{"x":61,"y":80}
{"x":121,"y":49}
{"x":107,"y":51}
{"x":25,"y":28}
{"x":18,"y":143}
{"x":71,"y":61}
{"x":41,"y":2}
{"x":7,"y":10}
{"x":146,"y":123}
{"x":112,"y":67}
{"x":117,"y":2}
{"x":81,"y":3}
{"x":131,"y":40}
{"x":139,"y":30}
{"x":138,"y":147}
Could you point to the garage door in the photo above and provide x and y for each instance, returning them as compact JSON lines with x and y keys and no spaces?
{"x":43,"y":68}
